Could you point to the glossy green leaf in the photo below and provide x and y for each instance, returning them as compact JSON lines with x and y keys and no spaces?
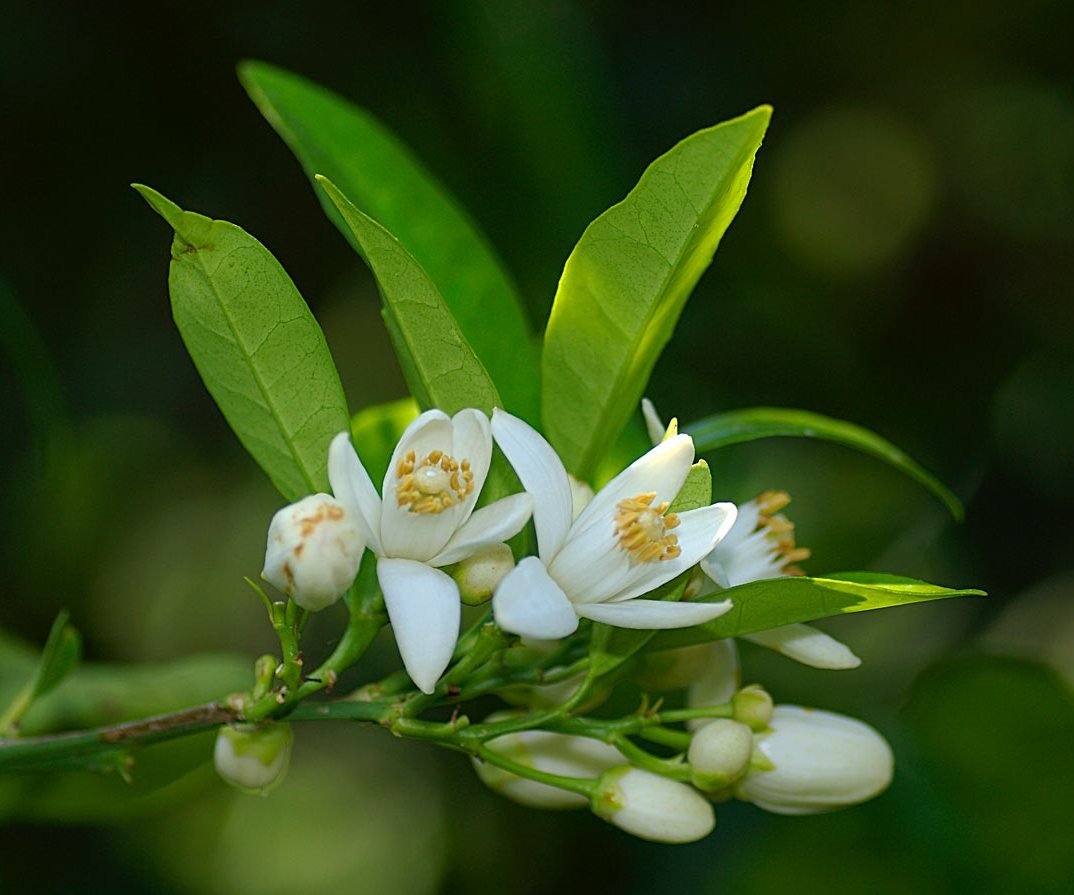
{"x":437,"y":360}
{"x":627,"y":281}
{"x":736,"y":426}
{"x":376,"y":430}
{"x":256,"y":345}
{"x":346,"y":144}
{"x":60,"y":655}
{"x":762,"y":605}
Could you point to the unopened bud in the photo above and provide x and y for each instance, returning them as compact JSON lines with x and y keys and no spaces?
{"x":717,"y":683}
{"x":313,"y":551}
{"x":819,"y":761}
{"x":752,"y":705}
{"x":720,"y":754}
{"x":253,"y":758}
{"x":553,"y":753}
{"x":653,"y":807}
{"x":581,"y":494}
{"x":478,"y":575}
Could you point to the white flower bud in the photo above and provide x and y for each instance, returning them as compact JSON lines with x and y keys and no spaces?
{"x":720,"y":754}
{"x":581,"y":494}
{"x":653,"y":807}
{"x":753,"y":705}
{"x":478,"y":575}
{"x":718,"y":682}
{"x":553,"y":753}
{"x":253,"y":758}
{"x":314,"y":550}
{"x":820,"y":761}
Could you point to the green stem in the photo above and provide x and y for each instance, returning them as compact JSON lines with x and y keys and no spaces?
{"x":580,"y":785}
{"x":676,"y":770}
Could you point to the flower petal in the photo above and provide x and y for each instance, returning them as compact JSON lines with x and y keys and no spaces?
{"x":490,"y":525}
{"x":472,"y":440}
{"x":353,"y":488}
{"x":528,"y":602}
{"x":424,"y":608}
{"x":542,"y":474}
{"x":698,"y":530}
{"x":653,"y":615}
{"x":404,"y":533}
{"x":718,"y":682}
{"x":807,"y":645}
{"x":661,"y":471}
{"x":592,"y":567}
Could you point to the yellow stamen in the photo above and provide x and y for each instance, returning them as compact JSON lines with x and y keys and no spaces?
{"x":434,"y":483}
{"x":642,"y":529}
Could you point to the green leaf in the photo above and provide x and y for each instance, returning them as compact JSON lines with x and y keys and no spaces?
{"x":376,"y":430}
{"x":60,"y":655}
{"x":696,"y":491}
{"x":256,"y":345}
{"x":751,"y":423}
{"x":762,"y":605}
{"x":627,"y":281}
{"x":346,"y":144}
{"x":437,"y":360}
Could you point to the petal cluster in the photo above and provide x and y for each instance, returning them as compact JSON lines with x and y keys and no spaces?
{"x":623,"y":544}
{"x":424,"y":518}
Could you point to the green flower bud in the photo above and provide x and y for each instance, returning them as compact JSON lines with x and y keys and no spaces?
{"x":652,"y":807}
{"x":753,"y":706}
{"x":478,"y":575}
{"x":720,"y":754}
{"x":253,"y":758}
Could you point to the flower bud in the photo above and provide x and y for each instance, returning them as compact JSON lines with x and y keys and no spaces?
{"x":253,"y":758}
{"x":720,"y":754}
{"x":652,"y":807}
{"x":314,"y":550}
{"x":717,"y":683}
{"x":752,"y":705}
{"x":478,"y":575}
{"x":820,"y":761}
{"x":553,"y":753}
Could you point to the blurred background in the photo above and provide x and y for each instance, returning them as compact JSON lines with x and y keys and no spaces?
{"x":903,"y":260}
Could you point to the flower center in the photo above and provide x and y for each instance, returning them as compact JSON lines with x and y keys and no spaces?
{"x":642,"y":529}
{"x":779,"y":531}
{"x":432,"y":484}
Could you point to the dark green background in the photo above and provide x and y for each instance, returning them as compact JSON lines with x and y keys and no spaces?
{"x":903,"y":260}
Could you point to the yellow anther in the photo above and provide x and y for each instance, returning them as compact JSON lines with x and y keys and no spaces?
{"x":642,"y":529}
{"x":432,"y":484}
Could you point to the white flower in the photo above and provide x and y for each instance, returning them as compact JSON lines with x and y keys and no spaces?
{"x":425,"y":520}
{"x":653,"y":807}
{"x":313,"y":552}
{"x":253,"y":758}
{"x":622,"y":545}
{"x":553,"y":753}
{"x":819,"y":761}
{"x":761,"y":545}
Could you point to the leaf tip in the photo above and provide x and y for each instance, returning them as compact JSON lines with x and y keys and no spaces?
{"x":159,"y":203}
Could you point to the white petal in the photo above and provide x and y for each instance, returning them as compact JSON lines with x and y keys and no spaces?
{"x":354,"y":489}
{"x":542,"y":474}
{"x":807,"y":645}
{"x":698,"y":530}
{"x":528,"y":602}
{"x":653,"y":424}
{"x":490,"y":525}
{"x":403,"y":533}
{"x":653,"y":615}
{"x":661,"y":471}
{"x":424,"y":608}
{"x":472,"y":440}
{"x":718,"y":682}
{"x":592,"y":567}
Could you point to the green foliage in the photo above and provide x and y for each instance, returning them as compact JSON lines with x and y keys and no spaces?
{"x":346,"y":144}
{"x":377,"y":429}
{"x":61,"y":653}
{"x":627,"y":281}
{"x":749,"y":424}
{"x":438,"y":362}
{"x":257,"y":346}
{"x":773,"y":602}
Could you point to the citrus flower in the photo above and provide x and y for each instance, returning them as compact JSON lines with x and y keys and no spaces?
{"x":623,"y":544}
{"x":424,"y":519}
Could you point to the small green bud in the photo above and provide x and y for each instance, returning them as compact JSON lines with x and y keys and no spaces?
{"x":720,"y":754}
{"x":478,"y":575}
{"x":753,"y":705}
{"x":253,"y":758}
{"x":652,"y":807}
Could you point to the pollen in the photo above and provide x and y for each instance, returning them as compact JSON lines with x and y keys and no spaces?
{"x":643,"y":529}
{"x":779,"y":532}
{"x":432,"y":484}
